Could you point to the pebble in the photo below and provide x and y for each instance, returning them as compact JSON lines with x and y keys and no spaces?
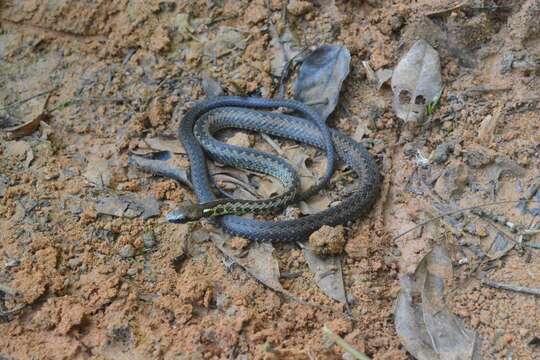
{"x":327,"y":240}
{"x":149,"y":239}
{"x":74,"y":263}
{"x":440,"y":154}
{"x":132,"y":272}
{"x":127,"y":251}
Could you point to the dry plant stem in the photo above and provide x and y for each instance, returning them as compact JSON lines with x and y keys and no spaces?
{"x":520,"y":289}
{"x":457,"y":212}
{"x":344,"y":345}
{"x":20,"y":102}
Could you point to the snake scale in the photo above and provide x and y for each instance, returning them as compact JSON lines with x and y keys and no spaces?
{"x":196,"y":133}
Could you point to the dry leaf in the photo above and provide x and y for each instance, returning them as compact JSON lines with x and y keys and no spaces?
{"x":416,"y":82}
{"x":297,"y":157}
{"x":161,"y":143}
{"x":328,"y":274}
{"x":98,"y":172}
{"x":488,"y":126}
{"x":28,"y":127}
{"x":425,"y":325}
{"x":259,"y":261}
{"x":320,"y":78}
{"x":129,"y":206}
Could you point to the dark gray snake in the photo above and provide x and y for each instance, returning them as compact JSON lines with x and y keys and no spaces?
{"x":208,"y":117}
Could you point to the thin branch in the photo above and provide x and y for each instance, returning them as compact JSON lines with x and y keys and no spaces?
{"x":520,"y":289}
{"x":344,"y":345}
{"x":460,"y":211}
{"x":20,"y":102}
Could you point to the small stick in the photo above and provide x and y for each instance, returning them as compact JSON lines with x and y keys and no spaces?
{"x":520,"y":289}
{"x":20,"y":102}
{"x":457,"y":212}
{"x":344,"y":345}
{"x":273,"y":144}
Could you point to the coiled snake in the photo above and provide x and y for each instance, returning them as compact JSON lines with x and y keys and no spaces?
{"x":209,"y":116}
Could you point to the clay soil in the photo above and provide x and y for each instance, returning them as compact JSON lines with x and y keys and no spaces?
{"x":77,"y":283}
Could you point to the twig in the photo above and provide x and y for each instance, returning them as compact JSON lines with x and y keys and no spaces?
{"x":344,"y":345}
{"x":457,"y":212}
{"x":520,"y":289}
{"x":20,"y":102}
{"x":272,"y":143}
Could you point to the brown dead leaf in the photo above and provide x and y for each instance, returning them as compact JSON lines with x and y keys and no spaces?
{"x":27,"y":128}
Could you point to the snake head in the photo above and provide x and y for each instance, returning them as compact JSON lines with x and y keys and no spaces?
{"x":185,"y":213}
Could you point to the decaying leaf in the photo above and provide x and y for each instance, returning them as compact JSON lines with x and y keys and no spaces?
{"x":284,"y":48}
{"x":98,"y":172}
{"x":162,"y":143}
{"x":427,"y":328}
{"x":23,"y":117}
{"x":259,"y":261}
{"x":227,"y":40}
{"x":314,"y":204}
{"x":21,"y":150}
{"x":211,"y":86}
{"x":328,"y":274}
{"x":297,"y":157}
{"x":128,"y":206}
{"x":416,"y":82}
{"x":26,"y":128}
{"x":160,"y":163}
{"x":321,"y":76}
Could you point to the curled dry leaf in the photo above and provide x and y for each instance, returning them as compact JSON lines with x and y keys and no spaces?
{"x":425,"y":325}
{"x":416,"y":82}
{"x":23,"y":117}
{"x":321,"y":76}
{"x":128,"y":206}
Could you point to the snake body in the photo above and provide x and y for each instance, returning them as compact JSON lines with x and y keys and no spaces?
{"x":210,"y":116}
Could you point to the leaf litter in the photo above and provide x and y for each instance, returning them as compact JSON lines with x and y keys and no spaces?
{"x":426,"y":326}
{"x":321,"y":76}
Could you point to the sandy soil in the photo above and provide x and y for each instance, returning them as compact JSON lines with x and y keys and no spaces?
{"x":79,"y":284}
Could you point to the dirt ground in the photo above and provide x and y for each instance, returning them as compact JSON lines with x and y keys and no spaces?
{"x":77,"y":282}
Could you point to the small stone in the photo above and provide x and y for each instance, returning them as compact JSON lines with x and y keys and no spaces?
{"x":299,"y":7}
{"x":74,"y":263}
{"x":485,"y":317}
{"x":149,"y":239}
{"x":127,"y":251}
{"x":328,"y":240}
{"x":478,"y":156}
{"x":440,"y":154}
{"x":11,"y":263}
{"x":132,"y":272}
{"x":448,"y":125}
{"x":238,"y":243}
{"x":453,"y":180}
